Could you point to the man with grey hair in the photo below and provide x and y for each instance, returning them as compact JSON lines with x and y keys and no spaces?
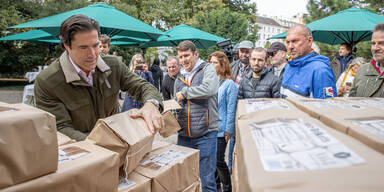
{"x":307,"y":74}
{"x":369,"y":79}
{"x":261,"y":83}
{"x":173,"y":68}
{"x":277,"y":54}
{"x":240,"y":68}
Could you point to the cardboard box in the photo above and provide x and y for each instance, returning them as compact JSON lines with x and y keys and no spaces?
{"x":63,"y":139}
{"x":171,"y":124}
{"x":306,"y":155}
{"x":82,"y":167}
{"x":357,"y":117}
{"x":171,"y":168}
{"x":374,"y":102}
{"x":249,"y":107}
{"x":28,"y":143}
{"x":135,"y":183}
{"x":130,"y":138}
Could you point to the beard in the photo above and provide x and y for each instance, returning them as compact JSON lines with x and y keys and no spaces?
{"x":245,"y":61}
{"x":257,"y":69}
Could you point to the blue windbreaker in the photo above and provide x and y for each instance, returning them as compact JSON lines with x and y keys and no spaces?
{"x":309,"y":76}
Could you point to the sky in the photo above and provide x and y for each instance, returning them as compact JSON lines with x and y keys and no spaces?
{"x":281,"y":8}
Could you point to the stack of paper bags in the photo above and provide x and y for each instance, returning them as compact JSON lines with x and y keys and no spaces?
{"x":28,"y":143}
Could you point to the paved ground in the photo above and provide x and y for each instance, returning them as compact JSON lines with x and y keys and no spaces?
{"x":11,"y":96}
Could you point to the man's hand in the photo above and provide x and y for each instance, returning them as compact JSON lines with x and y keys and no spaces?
{"x":227,"y":138}
{"x":179,"y":96}
{"x":151,"y":115}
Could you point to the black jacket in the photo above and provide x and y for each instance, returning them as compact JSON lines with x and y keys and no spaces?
{"x":167,"y":87}
{"x":157,"y":74}
{"x":268,"y":86}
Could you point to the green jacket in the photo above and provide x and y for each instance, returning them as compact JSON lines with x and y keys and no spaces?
{"x":77,"y":105}
{"x":368,"y":82}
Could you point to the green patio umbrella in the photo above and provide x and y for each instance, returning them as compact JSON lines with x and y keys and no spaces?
{"x":112,"y":22}
{"x":40,"y":36}
{"x":29,"y":35}
{"x":183,"y":32}
{"x":349,"y":26}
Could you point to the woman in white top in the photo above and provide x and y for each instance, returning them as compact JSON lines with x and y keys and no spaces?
{"x":344,"y":83}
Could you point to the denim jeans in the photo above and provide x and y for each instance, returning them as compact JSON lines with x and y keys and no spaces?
{"x":232,"y":142}
{"x":207,"y":145}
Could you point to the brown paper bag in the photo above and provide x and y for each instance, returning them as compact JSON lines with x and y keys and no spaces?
{"x":195,"y":187}
{"x":82,"y":167}
{"x":63,"y":139}
{"x":171,"y":124}
{"x":28,"y":143}
{"x":172,"y":168}
{"x":130,"y":138}
{"x":135,"y":183}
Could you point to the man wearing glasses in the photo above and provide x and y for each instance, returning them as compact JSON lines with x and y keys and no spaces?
{"x":277,"y":54}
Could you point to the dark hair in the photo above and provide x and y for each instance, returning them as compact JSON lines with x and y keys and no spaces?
{"x":185,"y":46}
{"x":156,"y":61}
{"x":225,"y":69}
{"x":105,"y":39}
{"x":348,"y":46}
{"x":74,"y":24}
{"x":260,"y":49}
{"x":379,"y":27}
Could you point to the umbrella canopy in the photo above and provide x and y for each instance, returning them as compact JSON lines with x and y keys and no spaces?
{"x":29,"y":35}
{"x":183,"y":32}
{"x":349,"y":26}
{"x":112,"y":22}
{"x":40,"y":36}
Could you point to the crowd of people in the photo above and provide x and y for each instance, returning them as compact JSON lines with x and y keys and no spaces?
{"x":83,"y":86}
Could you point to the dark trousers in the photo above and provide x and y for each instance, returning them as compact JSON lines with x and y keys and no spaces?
{"x":221,"y":166}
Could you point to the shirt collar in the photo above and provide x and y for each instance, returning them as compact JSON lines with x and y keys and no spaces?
{"x":77,"y":68}
{"x":198,"y":63}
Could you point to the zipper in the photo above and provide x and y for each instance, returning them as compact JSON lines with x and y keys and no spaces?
{"x":189,"y":127}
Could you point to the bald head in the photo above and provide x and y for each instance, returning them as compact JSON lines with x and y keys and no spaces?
{"x":302,"y":29}
{"x":299,"y":41}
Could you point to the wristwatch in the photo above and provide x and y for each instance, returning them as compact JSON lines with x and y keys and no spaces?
{"x":155,"y":102}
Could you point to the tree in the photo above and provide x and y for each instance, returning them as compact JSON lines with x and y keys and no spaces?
{"x":223,"y":23}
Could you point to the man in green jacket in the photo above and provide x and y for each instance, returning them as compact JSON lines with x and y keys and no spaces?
{"x":81,"y":86}
{"x":369,"y":80}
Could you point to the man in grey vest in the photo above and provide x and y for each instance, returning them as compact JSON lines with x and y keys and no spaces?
{"x":196,"y":90}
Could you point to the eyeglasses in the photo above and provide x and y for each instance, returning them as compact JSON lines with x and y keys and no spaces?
{"x":272,"y":54}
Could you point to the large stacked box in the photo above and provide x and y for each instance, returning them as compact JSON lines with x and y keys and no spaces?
{"x":82,"y":167}
{"x":290,"y":151}
{"x":360,"y":118}
{"x":171,"y":168}
{"x":130,"y":138}
{"x":28,"y":144}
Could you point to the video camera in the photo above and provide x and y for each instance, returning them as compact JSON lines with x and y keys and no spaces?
{"x":228,"y":48}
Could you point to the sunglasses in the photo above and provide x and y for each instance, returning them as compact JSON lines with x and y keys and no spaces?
{"x":272,"y":54}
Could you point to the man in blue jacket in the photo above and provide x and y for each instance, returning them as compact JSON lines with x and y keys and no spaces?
{"x":307,"y":74}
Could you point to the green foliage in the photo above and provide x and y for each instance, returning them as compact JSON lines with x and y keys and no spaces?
{"x":224,"y":23}
{"x":267,"y":45}
{"x":227,"y":18}
{"x":321,"y":8}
